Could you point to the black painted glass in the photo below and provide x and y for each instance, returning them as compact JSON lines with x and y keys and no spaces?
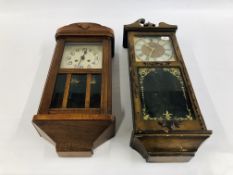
{"x":95,"y":97}
{"x":163,"y":94}
{"x":77,"y":92}
{"x":58,"y":92}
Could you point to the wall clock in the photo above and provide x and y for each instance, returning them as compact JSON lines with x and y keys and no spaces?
{"x":168,"y":124}
{"x":75,"y":112}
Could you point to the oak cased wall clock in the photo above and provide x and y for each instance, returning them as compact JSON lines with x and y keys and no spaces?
{"x":75,"y":112}
{"x":167,"y":122}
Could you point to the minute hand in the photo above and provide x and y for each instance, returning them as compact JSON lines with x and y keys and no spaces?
{"x":152,"y":52}
{"x":82,"y":57}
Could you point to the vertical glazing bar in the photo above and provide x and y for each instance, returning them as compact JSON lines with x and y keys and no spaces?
{"x":66,"y":92}
{"x":88,"y":91}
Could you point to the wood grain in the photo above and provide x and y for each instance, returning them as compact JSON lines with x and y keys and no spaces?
{"x":88,"y":91}
{"x":77,"y":131}
{"x":152,"y":140}
{"x":66,"y":92}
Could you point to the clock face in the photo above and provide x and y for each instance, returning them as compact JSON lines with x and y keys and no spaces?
{"x":82,"y":56}
{"x":150,"y":48}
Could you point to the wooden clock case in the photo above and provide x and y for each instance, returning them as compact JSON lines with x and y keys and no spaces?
{"x":77,"y":131}
{"x":170,"y":141}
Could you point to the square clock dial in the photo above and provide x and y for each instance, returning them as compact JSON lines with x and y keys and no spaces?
{"x":82,"y":56}
{"x":153,"y":48}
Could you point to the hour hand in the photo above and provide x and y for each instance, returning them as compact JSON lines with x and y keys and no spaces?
{"x":85,"y":52}
{"x":82,"y":57}
{"x":147,"y":45}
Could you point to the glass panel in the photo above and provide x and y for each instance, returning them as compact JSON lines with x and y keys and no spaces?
{"x":153,"y":48}
{"x":58,"y":91}
{"x":163,"y":94}
{"x":95,"y":91}
{"x":77,"y":92}
{"x":82,"y":56}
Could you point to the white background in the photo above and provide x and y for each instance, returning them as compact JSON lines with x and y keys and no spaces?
{"x":27,"y":42}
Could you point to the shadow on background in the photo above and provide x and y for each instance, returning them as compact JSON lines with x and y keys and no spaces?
{"x":217,"y":144}
{"x":26,"y":135}
{"x":116,"y":92}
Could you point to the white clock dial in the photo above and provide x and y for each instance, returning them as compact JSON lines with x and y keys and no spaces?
{"x":154,"y":48}
{"x":82,"y":56}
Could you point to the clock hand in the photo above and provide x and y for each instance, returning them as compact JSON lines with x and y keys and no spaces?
{"x":147,"y":45}
{"x":85,"y":51}
{"x":152,"y":52}
{"x":80,"y":60}
{"x":82,"y":57}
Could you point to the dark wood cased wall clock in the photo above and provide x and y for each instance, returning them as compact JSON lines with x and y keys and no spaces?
{"x":75,"y":112}
{"x":168,"y":124}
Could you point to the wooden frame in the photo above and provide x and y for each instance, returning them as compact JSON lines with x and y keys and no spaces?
{"x":55,"y":69}
{"x":150,"y":138}
{"x":59,"y":131}
{"x":188,"y":125}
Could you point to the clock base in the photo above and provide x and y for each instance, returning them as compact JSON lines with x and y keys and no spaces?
{"x":168,"y":147}
{"x":87,"y":153}
{"x":75,"y":135}
{"x":170,"y":157}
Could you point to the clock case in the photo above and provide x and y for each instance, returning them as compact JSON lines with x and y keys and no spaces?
{"x":77,"y":131}
{"x":167,"y":140}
